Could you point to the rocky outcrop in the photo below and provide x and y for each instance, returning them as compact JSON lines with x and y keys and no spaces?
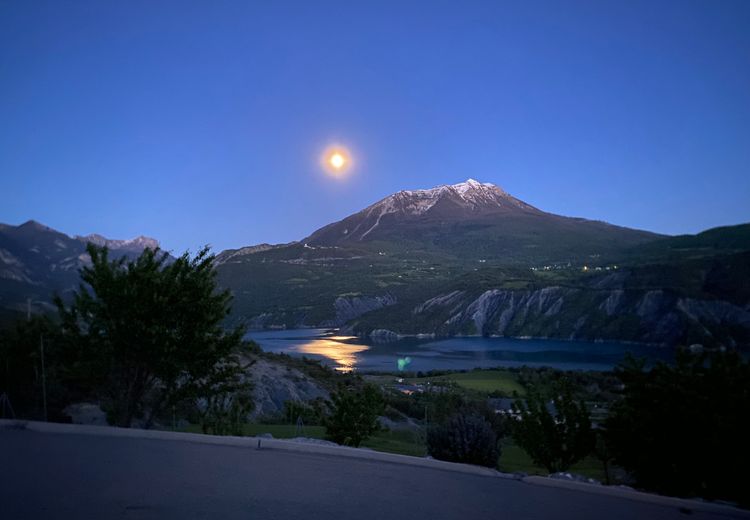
{"x":276,"y":383}
{"x":86,"y":413}
{"x":443,"y":300}
{"x":653,"y":316}
{"x":350,"y":307}
{"x":383,"y":336}
{"x":261,"y":321}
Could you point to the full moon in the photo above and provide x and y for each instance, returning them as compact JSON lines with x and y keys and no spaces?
{"x":336,"y":161}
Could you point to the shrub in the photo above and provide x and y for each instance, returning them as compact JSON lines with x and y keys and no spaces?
{"x":225,"y":413}
{"x":464,"y":438}
{"x":355,"y":415}
{"x":554,"y":440}
{"x":311,"y":412}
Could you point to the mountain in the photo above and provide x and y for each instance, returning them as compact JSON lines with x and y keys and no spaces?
{"x":133,"y":245}
{"x":724,"y":239}
{"x":474,"y":220}
{"x":470,"y":200}
{"x":37,"y":261}
{"x":470,"y":258}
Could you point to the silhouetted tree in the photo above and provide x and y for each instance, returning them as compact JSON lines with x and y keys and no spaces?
{"x":24,"y":375}
{"x":682,"y":429}
{"x":557,"y":438}
{"x":148,"y":333}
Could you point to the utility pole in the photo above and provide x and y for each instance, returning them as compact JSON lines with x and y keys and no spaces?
{"x":28,"y":309}
{"x":5,"y":405}
{"x":44,"y":378}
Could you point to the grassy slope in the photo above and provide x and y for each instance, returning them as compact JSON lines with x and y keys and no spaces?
{"x":512,"y":460}
{"x":401,"y":442}
{"x":299,"y":285}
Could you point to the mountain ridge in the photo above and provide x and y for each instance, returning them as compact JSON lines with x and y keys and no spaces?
{"x":37,"y":261}
{"x":473,"y":220}
{"x":466,"y":258}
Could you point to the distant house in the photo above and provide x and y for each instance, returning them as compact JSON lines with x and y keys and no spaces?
{"x":409,"y":389}
{"x":504,"y":406}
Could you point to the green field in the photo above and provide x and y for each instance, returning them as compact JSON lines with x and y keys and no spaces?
{"x":512,"y":459}
{"x":484,"y":381}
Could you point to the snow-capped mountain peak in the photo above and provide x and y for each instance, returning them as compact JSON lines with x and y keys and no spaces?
{"x":136,"y":244}
{"x":470,"y":194}
{"x":450,"y":202}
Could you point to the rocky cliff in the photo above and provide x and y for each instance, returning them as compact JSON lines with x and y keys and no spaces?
{"x":651,"y":316}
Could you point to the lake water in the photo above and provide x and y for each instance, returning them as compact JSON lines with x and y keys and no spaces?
{"x":347,"y":353}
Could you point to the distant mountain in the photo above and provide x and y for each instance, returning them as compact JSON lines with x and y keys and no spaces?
{"x":37,"y":261}
{"x":725,"y":239}
{"x":135,"y":245}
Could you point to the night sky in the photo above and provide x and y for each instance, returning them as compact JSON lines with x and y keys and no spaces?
{"x":203,"y":122}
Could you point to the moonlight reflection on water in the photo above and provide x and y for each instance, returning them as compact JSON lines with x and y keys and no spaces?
{"x":346,"y":353}
{"x":333,"y":348}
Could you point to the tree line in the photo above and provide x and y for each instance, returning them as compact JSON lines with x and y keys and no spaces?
{"x":677,"y":429}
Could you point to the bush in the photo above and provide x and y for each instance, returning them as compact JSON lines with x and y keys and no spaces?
{"x":225,"y":413}
{"x":464,"y":438}
{"x":311,"y":412}
{"x":355,"y":415}
{"x":555,"y":441}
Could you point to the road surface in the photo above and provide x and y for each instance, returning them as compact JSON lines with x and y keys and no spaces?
{"x":49,"y":475}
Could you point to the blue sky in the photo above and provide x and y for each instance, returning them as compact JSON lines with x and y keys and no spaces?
{"x":202,"y":122}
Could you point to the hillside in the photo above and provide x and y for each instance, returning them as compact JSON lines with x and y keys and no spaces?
{"x":697,"y":301}
{"x":411,"y":238}
{"x":37,"y":262}
{"x":471,"y":259}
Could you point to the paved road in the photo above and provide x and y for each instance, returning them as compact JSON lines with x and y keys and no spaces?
{"x":47,"y":475}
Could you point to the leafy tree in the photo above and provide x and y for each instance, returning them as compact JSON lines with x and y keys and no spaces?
{"x":464,"y":438}
{"x":682,"y":429}
{"x":555,"y":441}
{"x":354,"y":416}
{"x":147,"y":333}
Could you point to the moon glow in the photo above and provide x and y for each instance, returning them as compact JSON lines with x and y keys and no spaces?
{"x":336,"y":161}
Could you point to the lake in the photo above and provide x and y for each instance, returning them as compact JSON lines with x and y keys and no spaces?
{"x":346,"y":353}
